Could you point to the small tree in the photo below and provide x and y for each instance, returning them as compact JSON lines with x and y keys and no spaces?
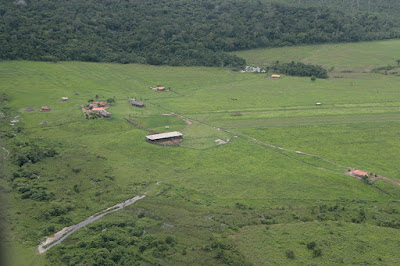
{"x":313,"y":78}
{"x":311,"y":245}
{"x":110,"y":100}
{"x":317,"y":252}
{"x":290,"y":254}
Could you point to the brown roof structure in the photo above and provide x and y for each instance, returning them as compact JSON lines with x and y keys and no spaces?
{"x":275,"y":76}
{"x":97,"y":109}
{"x":45,"y":108}
{"x":359,"y":173}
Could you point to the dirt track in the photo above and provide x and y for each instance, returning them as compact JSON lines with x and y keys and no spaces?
{"x":61,"y":235}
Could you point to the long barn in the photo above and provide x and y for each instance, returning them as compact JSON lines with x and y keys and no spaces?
{"x":164,"y":136}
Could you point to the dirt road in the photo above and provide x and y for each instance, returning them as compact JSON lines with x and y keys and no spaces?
{"x":58,"y":237}
{"x":8,"y":153}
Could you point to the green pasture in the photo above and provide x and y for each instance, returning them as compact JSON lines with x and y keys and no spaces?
{"x":239,"y":184}
{"x":354,"y":57}
{"x":340,"y":243}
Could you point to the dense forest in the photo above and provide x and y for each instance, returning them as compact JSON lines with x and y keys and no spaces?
{"x":181,"y":32}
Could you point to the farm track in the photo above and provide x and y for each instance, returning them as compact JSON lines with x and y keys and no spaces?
{"x":61,"y":235}
{"x":8,"y":152}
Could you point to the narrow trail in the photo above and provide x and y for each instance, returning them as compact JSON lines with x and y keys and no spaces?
{"x":61,"y":235}
{"x":8,"y":152}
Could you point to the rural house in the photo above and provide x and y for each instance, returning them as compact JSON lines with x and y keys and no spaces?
{"x":45,"y":108}
{"x":164,"y":136}
{"x":159,"y":89}
{"x":64,"y":98}
{"x":360,"y":173}
{"x":98,"y":104}
{"x":275,"y":76}
{"x":97,"y":109}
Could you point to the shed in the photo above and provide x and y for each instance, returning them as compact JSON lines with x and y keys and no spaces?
{"x":275,"y":76}
{"x":159,"y":89}
{"x":45,"y":108}
{"x":138,"y":104}
{"x":97,"y":109}
{"x":105,"y":113}
{"x":64,"y":98}
{"x":360,"y":173}
{"x":164,"y":136}
{"x":318,"y":104}
{"x":98,"y":104}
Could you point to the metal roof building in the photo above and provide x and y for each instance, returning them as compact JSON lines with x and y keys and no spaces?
{"x":166,"y":135}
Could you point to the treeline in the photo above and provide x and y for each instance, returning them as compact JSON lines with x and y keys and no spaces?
{"x":298,"y":69}
{"x":181,"y":32}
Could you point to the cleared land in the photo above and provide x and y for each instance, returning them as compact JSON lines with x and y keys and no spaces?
{"x":222,"y":196}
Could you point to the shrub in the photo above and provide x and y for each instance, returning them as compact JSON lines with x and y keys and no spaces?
{"x":76,"y":170}
{"x":290,"y":254}
{"x":317,"y":252}
{"x":311,"y":245}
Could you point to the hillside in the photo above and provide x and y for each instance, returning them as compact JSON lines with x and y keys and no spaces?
{"x":261,"y":176}
{"x":183,"y":32}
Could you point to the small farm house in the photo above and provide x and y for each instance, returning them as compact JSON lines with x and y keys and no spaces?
{"x":360,"y":173}
{"x":64,"y":98}
{"x":45,"y":108}
{"x":159,"y":89}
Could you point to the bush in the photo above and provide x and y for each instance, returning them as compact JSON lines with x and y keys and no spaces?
{"x":290,"y":254}
{"x":76,"y":170}
{"x":311,"y":245}
{"x":317,"y":252}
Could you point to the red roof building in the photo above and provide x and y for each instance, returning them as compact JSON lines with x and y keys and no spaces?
{"x":45,"y":108}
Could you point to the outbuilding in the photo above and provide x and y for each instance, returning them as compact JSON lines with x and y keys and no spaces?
{"x":276,"y":76}
{"x":159,"y":89}
{"x":161,"y":137}
{"x":97,"y":109}
{"x":105,"y":113}
{"x":64,"y":98}
{"x":45,"y":108}
{"x":359,"y":173}
{"x":138,"y":104}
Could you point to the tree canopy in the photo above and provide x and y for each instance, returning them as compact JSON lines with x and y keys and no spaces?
{"x":179,"y":32}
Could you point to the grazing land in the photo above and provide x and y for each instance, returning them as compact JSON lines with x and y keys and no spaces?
{"x":258,"y":196}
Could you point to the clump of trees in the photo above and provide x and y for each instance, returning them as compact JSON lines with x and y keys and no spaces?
{"x":298,"y":69}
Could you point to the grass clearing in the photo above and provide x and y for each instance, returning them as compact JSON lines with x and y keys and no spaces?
{"x":243,"y":185}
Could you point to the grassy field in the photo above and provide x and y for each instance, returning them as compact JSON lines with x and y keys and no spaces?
{"x":222,"y":196}
{"x":347,"y":57}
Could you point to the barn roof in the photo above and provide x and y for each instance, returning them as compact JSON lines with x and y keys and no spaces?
{"x":359,"y":172}
{"x":164,"y":135}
